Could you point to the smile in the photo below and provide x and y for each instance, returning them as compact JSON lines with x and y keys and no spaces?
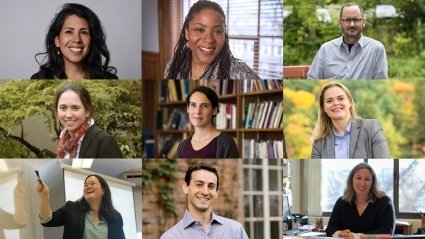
{"x":207,"y":51}
{"x":76,"y":49}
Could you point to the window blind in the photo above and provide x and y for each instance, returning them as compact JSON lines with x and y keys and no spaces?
{"x":255,"y":33}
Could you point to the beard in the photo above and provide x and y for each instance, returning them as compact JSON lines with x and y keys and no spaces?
{"x":352,"y":33}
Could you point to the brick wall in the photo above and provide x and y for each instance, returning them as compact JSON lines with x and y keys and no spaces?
{"x":229,"y":202}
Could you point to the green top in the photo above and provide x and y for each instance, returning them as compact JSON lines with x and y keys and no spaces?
{"x":95,"y":231}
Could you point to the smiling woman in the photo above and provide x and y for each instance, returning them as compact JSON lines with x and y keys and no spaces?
{"x":75,"y":47}
{"x":91,"y":216}
{"x":363,"y":209}
{"x":202,"y":51}
{"x":341,"y":133}
{"x":80,"y":137}
{"x":207,"y":142}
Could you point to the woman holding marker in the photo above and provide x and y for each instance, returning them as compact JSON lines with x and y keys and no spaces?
{"x":91,"y":216}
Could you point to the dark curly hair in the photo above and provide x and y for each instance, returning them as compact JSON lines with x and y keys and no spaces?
{"x":95,"y":64}
{"x":180,"y":66}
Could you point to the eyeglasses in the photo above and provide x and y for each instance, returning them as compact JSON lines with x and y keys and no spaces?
{"x":349,"y":20}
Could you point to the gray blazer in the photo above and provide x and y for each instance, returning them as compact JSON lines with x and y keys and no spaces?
{"x":366,"y":141}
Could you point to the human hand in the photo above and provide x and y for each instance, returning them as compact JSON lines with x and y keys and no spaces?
{"x":42,"y":189}
{"x":346,"y":234}
{"x":19,"y":190}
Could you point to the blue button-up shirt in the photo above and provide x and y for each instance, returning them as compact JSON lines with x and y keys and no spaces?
{"x":342,"y":143}
{"x":219,"y":228}
{"x":366,"y":60}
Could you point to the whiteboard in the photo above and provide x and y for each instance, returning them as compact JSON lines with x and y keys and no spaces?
{"x":121,"y":191}
{"x":8,"y":181}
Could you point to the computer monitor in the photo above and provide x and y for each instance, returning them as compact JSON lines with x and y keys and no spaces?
{"x":286,"y":208}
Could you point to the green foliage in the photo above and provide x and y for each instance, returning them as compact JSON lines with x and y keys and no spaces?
{"x":163,"y":173}
{"x":117,"y":109}
{"x":403,"y":37}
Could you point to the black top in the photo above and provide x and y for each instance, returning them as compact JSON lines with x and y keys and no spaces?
{"x":225,"y":147}
{"x":47,"y":73}
{"x":97,"y":143}
{"x":377,"y":218}
{"x":73,"y":220}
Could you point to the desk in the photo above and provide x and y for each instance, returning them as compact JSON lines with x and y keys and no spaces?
{"x":403,"y":227}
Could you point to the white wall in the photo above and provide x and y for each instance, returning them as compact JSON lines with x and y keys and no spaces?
{"x":24,"y":24}
{"x":150,"y":26}
{"x":51,"y":172}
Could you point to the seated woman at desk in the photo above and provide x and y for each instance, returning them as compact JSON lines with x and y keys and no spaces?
{"x":363,"y":209}
{"x":341,"y":133}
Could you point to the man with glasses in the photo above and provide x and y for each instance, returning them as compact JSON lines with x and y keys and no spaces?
{"x":351,"y":56}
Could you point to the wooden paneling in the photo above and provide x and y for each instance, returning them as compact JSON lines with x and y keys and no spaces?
{"x":151,"y":69}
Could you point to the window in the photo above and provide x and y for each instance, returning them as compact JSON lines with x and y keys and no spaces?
{"x":263,"y":198}
{"x":255,"y":33}
{"x":407,"y":193}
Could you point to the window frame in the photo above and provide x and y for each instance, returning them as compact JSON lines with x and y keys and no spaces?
{"x":396,"y":176}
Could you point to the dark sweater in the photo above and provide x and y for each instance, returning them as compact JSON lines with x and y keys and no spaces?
{"x":226,"y":146}
{"x":377,"y":218}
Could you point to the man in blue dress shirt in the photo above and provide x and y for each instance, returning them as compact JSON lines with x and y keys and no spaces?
{"x":351,"y":56}
{"x":199,"y":221}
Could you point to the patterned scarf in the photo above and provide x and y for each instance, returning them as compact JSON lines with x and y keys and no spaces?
{"x":67,"y":144}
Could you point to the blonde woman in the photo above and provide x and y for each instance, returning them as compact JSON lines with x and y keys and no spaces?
{"x":341,"y":133}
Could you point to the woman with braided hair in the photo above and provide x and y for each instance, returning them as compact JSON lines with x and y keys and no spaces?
{"x":202,"y":51}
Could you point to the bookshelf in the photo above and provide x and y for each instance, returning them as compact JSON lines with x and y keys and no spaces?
{"x":264,"y":100}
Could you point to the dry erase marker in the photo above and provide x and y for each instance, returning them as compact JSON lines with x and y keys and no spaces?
{"x":38,"y":178}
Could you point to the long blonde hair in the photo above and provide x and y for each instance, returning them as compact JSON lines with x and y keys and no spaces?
{"x":324,"y":126}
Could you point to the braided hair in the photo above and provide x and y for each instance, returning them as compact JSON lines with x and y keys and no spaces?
{"x":182,"y":60}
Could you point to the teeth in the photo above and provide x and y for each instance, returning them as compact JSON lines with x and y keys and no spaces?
{"x":207,"y":49}
{"x":75,"y":49}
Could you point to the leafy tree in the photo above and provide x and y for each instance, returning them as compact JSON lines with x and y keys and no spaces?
{"x":117,"y":109}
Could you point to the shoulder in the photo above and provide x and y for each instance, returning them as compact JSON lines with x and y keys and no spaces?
{"x":384,"y":200}
{"x":372,"y":43}
{"x":231,"y":226}
{"x":43,"y":73}
{"x":225,"y":136}
{"x":229,"y":222}
{"x":175,"y":232}
{"x":109,"y":75}
{"x":369,"y":123}
{"x":167,"y":68}
{"x":334,"y":43}
{"x":239,"y":70}
{"x":99,"y":132}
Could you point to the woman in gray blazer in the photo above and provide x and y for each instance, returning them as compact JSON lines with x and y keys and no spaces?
{"x":341,"y":133}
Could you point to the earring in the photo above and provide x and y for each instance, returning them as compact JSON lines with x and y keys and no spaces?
{"x":187,"y":44}
{"x":59,"y":52}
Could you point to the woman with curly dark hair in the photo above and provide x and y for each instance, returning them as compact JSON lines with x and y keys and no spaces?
{"x":202,"y":51}
{"x":91,"y":216}
{"x":75,"y":47}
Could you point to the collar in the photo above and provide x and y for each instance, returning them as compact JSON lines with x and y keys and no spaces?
{"x":346,"y":131}
{"x":188,"y":220}
{"x":340,"y":42}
